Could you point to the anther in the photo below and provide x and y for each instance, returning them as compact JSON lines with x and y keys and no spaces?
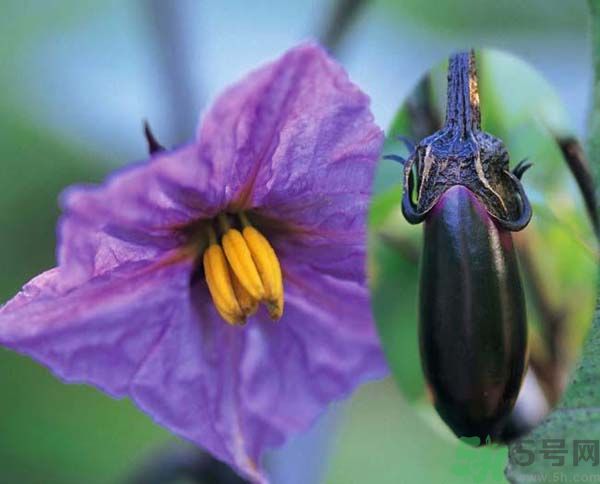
{"x":220,"y":284}
{"x":268,"y":266}
{"x":247,"y":303}
{"x":240,"y":259}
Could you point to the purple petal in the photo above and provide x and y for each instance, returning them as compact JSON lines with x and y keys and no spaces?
{"x":322,"y":349}
{"x":339,"y":253}
{"x":189,"y":383}
{"x":297,"y":141}
{"x":98,"y":333}
{"x":169,"y":190}
{"x":133,"y":214}
{"x":237,"y":391}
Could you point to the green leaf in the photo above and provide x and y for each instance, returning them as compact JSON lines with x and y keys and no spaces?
{"x":577,"y":416}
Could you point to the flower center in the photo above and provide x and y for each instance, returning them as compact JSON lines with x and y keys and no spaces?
{"x":242,"y":270}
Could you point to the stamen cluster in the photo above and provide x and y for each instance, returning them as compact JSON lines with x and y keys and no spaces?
{"x":241,"y":270}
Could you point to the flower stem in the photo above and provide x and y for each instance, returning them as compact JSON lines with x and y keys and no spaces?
{"x":224,"y":222}
{"x":244,"y":220}
{"x":212,"y":236}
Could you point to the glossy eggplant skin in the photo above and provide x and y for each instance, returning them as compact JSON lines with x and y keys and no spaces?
{"x":472,"y":330}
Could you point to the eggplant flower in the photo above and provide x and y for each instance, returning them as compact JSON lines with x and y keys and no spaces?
{"x":221,"y":285}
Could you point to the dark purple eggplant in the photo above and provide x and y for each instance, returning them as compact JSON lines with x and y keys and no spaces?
{"x":473,"y":331}
{"x":473,"y":334}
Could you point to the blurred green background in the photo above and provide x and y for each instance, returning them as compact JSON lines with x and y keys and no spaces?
{"x":78,"y":77}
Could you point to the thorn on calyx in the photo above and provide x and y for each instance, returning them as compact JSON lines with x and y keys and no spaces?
{"x":521,"y":168}
{"x":153,"y":145}
{"x":397,"y":158}
{"x":410,"y":146}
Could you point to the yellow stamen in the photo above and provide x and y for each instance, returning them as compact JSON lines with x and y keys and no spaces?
{"x":247,"y":303}
{"x":268,"y":267}
{"x":219,"y":282}
{"x":240,"y":260}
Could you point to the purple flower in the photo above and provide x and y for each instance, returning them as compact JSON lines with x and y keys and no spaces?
{"x":275,"y":188}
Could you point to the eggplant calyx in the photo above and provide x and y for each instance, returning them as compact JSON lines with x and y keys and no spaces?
{"x":460,"y":153}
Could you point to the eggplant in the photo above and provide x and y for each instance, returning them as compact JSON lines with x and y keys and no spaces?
{"x":472,"y":316}
{"x":472,"y":329}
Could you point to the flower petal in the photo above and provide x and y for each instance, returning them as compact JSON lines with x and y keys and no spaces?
{"x":189,"y":383}
{"x":340,"y":254}
{"x":322,"y":349}
{"x":133,"y":214}
{"x":238,"y":391}
{"x":295,"y":139}
{"x":98,"y":333}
